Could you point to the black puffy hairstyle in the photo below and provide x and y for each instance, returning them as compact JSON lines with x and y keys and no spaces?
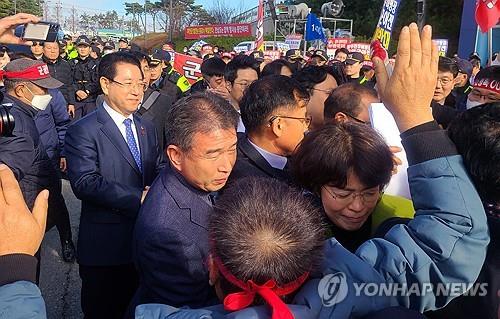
{"x":240,"y":62}
{"x":347,"y":99}
{"x":310,"y":76}
{"x":326,"y":157}
{"x":263,"y":229}
{"x":476,"y":133}
{"x":213,"y":66}
{"x":274,"y":68}
{"x":108,"y":65}
{"x":201,"y":112}
{"x":448,"y":65}
{"x":265,"y":96}
{"x":491,"y":73}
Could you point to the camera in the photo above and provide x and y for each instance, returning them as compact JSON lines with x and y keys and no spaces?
{"x":6,"y":122}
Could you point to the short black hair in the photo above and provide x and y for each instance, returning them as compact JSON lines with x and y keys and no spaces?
{"x":265,"y":96}
{"x":213,"y":66}
{"x":329,"y":154}
{"x":337,"y":70}
{"x":310,"y":76}
{"x":263,"y":229}
{"x":448,"y":65}
{"x":240,"y":62}
{"x":476,"y":134}
{"x":139,"y":55}
{"x":343,"y":50}
{"x":274,"y":68}
{"x":107,"y":66}
{"x":201,"y":112}
{"x":347,"y":99}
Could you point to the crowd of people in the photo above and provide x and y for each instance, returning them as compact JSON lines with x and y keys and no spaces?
{"x":257,"y":192}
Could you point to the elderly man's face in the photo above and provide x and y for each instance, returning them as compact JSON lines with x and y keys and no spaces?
{"x":51,"y":50}
{"x":209,"y":161}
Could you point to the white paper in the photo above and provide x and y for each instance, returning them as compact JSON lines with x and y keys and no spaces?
{"x":383,"y":121}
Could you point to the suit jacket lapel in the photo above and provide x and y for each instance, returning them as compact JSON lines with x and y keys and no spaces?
{"x":110,"y":129}
{"x":253,"y":155}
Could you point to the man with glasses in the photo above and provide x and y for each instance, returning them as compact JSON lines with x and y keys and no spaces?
{"x":37,"y":49}
{"x":242,"y":71}
{"x":113,"y":157}
{"x":276,"y":121}
{"x":320,"y":83}
{"x":446,"y":81}
{"x":84,"y":79}
{"x":485,"y":88}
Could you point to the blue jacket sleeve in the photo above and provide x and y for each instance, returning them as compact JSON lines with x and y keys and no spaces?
{"x":18,"y":153}
{"x":21,"y":300}
{"x":439,"y":254}
{"x":61,"y":117}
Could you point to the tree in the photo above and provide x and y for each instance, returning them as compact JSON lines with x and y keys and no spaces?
{"x":221,"y":12}
{"x":27,"y":6}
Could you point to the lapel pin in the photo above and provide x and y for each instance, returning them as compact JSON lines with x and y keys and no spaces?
{"x":143,"y":131}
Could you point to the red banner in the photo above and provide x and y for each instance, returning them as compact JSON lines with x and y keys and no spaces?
{"x":188,"y":66}
{"x":259,"y":36}
{"x":360,"y":47}
{"x":219,"y":30}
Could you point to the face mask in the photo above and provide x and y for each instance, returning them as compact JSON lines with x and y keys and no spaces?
{"x":471,"y":104}
{"x":40,"y":102}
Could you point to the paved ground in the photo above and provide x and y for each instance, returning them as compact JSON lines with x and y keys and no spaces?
{"x":59,"y":281}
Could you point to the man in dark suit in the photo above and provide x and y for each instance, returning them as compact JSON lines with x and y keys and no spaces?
{"x":171,"y":241}
{"x":113,"y":156}
{"x":275,"y":122}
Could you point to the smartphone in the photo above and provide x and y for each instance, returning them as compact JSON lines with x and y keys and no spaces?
{"x":41,"y":31}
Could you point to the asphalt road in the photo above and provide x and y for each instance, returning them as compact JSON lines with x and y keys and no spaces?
{"x":59,"y":281}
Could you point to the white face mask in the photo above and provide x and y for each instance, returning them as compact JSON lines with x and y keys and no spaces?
{"x":40,"y":102}
{"x":471,"y":104}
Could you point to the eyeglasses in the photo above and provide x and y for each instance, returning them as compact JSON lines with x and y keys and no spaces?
{"x":36,"y":43}
{"x":367,"y":197}
{"x":445,"y":81}
{"x":328,"y":92}
{"x":305,"y":120}
{"x":356,"y":119}
{"x":244,"y":85}
{"x":129,"y":86}
{"x":490,"y":97}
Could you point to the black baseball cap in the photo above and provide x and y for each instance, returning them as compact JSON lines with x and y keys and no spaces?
{"x":320,"y":53}
{"x":82,"y":40}
{"x":294,"y":55}
{"x":258,"y":55}
{"x":464,"y":66}
{"x":355,"y":57}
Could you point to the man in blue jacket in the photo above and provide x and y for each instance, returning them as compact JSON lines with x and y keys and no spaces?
{"x":52,"y":124}
{"x":445,"y":243}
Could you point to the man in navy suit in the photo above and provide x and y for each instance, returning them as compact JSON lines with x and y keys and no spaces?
{"x":275,"y":122}
{"x":171,"y":241}
{"x":113,"y":156}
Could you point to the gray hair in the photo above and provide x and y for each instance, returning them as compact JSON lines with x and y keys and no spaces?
{"x":201,"y":112}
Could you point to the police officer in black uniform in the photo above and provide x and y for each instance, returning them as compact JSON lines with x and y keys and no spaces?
{"x":85,"y":78}
{"x":170,"y":83}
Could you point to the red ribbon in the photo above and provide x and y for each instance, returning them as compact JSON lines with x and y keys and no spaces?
{"x":35,"y":72}
{"x":269,"y":291}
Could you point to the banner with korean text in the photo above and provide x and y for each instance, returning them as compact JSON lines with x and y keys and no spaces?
{"x":188,"y":66}
{"x":218,"y":30}
{"x":386,"y":22}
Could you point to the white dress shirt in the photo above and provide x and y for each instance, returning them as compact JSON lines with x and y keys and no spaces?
{"x":276,"y":161}
{"x":118,"y":119}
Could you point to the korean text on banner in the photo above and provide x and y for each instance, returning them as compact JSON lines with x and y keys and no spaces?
{"x":188,"y":66}
{"x":386,"y":22}
{"x":442,"y":45}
